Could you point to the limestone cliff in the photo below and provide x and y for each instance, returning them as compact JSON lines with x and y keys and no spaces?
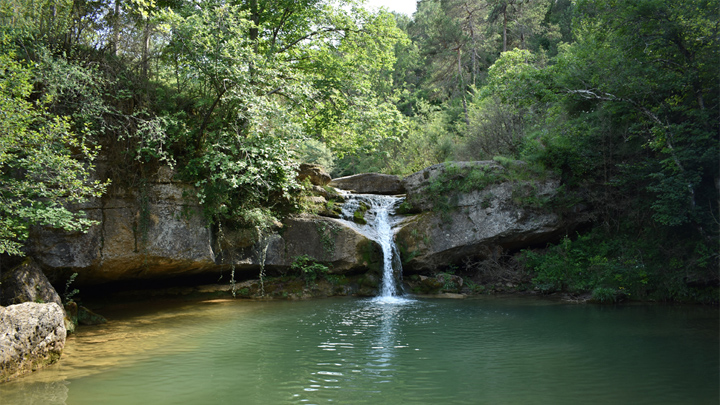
{"x":157,"y":231}
{"x":478,"y":221}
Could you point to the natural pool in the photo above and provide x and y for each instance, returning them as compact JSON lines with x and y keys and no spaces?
{"x":363,"y":351}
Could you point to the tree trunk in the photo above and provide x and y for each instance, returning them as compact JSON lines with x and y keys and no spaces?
{"x":462,"y":87}
{"x":116,"y":28}
{"x":505,"y":28}
{"x":255,"y":18}
{"x":146,"y":49}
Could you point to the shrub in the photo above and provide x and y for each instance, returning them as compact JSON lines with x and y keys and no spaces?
{"x":605,"y":295}
{"x":309,"y":269}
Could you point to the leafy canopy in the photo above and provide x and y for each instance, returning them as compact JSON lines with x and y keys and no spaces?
{"x":44,"y":167}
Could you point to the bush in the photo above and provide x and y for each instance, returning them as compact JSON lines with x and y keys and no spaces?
{"x":605,"y":295}
{"x":309,"y":269}
{"x":625,"y":265}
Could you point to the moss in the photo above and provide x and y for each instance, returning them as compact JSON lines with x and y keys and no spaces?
{"x":406,"y":208}
{"x":359,"y":218}
{"x":359,"y":214}
{"x":444,"y":190}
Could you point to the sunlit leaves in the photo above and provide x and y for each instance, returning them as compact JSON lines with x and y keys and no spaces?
{"x":39,"y":166}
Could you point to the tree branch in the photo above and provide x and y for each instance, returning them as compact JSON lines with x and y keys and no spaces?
{"x":591,"y":95}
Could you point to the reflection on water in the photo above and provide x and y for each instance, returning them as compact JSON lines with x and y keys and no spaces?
{"x":390,"y":350}
{"x":365,"y":339}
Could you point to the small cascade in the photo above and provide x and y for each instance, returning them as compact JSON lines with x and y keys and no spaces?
{"x":379,"y":213}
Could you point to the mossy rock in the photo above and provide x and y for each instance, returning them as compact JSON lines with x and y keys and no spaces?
{"x":359,"y":214}
{"x":359,"y":218}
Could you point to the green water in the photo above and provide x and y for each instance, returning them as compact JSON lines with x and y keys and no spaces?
{"x":353,"y":351}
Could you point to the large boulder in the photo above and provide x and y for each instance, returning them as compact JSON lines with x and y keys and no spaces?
{"x":314,"y":173}
{"x":151,"y":232}
{"x":327,"y":240}
{"x":478,"y":224}
{"x":370,"y":183}
{"x":26,"y":283}
{"x":417,"y":183}
{"x":32,"y":336}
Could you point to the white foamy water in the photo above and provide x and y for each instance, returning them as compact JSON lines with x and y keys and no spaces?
{"x":380,"y":227}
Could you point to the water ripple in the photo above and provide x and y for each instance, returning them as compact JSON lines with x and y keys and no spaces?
{"x":370,"y":352}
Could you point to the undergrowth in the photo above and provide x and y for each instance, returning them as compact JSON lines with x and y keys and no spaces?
{"x":620,"y":266}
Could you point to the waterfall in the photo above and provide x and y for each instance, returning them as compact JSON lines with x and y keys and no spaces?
{"x":379,"y":213}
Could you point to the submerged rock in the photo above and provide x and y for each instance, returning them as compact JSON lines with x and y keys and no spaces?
{"x":71,"y":317}
{"x":88,"y":317}
{"x":32,"y":336}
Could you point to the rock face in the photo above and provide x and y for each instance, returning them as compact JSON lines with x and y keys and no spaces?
{"x":416,"y":183}
{"x":32,"y":336}
{"x":370,"y":183}
{"x":315,"y":173}
{"x":327,"y":240}
{"x":147,"y":233}
{"x":26,"y":283}
{"x":478,"y":225}
{"x":157,"y":231}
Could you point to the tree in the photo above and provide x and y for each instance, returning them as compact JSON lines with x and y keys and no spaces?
{"x":44,"y":167}
{"x":667,"y":97}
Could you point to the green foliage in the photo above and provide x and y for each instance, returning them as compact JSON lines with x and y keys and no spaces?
{"x":447,"y":281}
{"x":632,"y":267}
{"x":309,"y":268}
{"x":261,"y":93}
{"x":44,"y":166}
{"x":503,"y":113}
{"x":627,"y":115}
{"x":428,"y":139}
{"x":316,"y":152}
{"x":404,"y":208}
{"x":69,"y":294}
{"x":241,"y":178}
{"x":605,"y":295}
